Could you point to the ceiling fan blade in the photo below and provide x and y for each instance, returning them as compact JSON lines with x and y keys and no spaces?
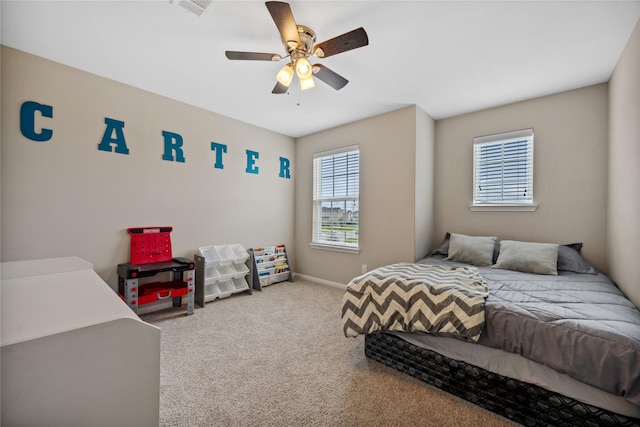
{"x":283,"y":17}
{"x":330,"y":77}
{"x":252,"y":56}
{"x":279,"y":88}
{"x":347,"y":41}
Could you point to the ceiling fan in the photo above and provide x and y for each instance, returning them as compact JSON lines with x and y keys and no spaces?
{"x":300,"y":44}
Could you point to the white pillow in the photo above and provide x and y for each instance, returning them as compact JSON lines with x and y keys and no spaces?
{"x":476,"y":250}
{"x":528,"y":257}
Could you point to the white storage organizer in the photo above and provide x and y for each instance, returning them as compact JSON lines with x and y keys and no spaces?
{"x":270,"y":265}
{"x":220,"y":272}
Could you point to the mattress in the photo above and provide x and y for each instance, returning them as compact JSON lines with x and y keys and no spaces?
{"x":511,"y":365}
{"x":520,"y":401}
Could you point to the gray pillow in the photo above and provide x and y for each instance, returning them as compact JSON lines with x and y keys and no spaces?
{"x":528,"y":257}
{"x":476,"y":250}
{"x":443,"y":249}
{"x":569,"y":259}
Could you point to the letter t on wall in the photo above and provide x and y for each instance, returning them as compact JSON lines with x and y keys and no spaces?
{"x":219,"y":149}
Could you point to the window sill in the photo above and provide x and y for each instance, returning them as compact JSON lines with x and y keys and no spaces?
{"x":335,"y":248}
{"x":503,"y":208}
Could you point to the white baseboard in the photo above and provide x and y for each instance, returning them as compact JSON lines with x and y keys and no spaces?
{"x":321,"y":281}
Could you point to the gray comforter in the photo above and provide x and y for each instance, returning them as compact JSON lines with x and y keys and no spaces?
{"x":577,"y":324}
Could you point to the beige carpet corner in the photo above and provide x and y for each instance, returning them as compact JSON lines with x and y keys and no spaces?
{"x":279,"y":358}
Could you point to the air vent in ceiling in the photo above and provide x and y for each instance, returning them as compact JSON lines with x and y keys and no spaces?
{"x":195,"y":6}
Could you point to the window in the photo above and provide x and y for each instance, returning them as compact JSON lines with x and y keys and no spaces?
{"x":336,"y":189}
{"x":503,"y":171}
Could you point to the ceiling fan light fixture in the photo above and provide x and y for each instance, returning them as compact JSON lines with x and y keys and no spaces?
{"x":285,"y":75}
{"x":303,"y":68}
{"x":307,"y":83}
{"x":300,"y":43}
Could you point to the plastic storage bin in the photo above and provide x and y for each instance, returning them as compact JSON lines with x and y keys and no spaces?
{"x":210,"y":254}
{"x":241,"y":269}
{"x":240,"y":253}
{"x":240,"y":284}
{"x":226,"y":271}
{"x":226,"y":254}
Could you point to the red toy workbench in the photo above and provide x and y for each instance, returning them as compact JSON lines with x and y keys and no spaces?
{"x":151,"y":254}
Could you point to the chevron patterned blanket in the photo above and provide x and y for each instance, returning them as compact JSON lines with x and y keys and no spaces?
{"x":443,"y":300}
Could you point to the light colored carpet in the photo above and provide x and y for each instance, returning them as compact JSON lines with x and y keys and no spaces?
{"x":279,"y":358}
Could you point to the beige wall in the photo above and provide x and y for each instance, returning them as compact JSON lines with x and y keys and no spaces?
{"x":570,"y":171}
{"x":390,"y":147}
{"x":624,"y":174}
{"x":65,"y":197}
{"x":424,"y":184}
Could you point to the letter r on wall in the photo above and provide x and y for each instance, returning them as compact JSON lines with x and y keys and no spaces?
{"x":172,"y":142}
{"x":284,"y":168}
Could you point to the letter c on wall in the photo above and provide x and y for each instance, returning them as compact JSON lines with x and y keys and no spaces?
{"x":27,"y":121}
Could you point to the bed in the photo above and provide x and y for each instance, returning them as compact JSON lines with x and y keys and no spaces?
{"x":560,"y":346}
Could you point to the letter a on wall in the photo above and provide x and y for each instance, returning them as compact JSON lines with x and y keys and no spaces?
{"x":108,"y":139}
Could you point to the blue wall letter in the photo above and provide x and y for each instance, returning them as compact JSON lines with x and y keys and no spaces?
{"x":27,"y":121}
{"x":121,"y":144}
{"x":219,"y":149}
{"x":172,"y":142}
{"x":284,"y":168}
{"x":251,"y":161}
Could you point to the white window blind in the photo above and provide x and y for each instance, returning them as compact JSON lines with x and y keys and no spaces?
{"x":503,"y":169}
{"x":336,"y":189}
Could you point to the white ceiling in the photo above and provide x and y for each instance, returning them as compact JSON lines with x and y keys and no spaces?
{"x":447,"y":57}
